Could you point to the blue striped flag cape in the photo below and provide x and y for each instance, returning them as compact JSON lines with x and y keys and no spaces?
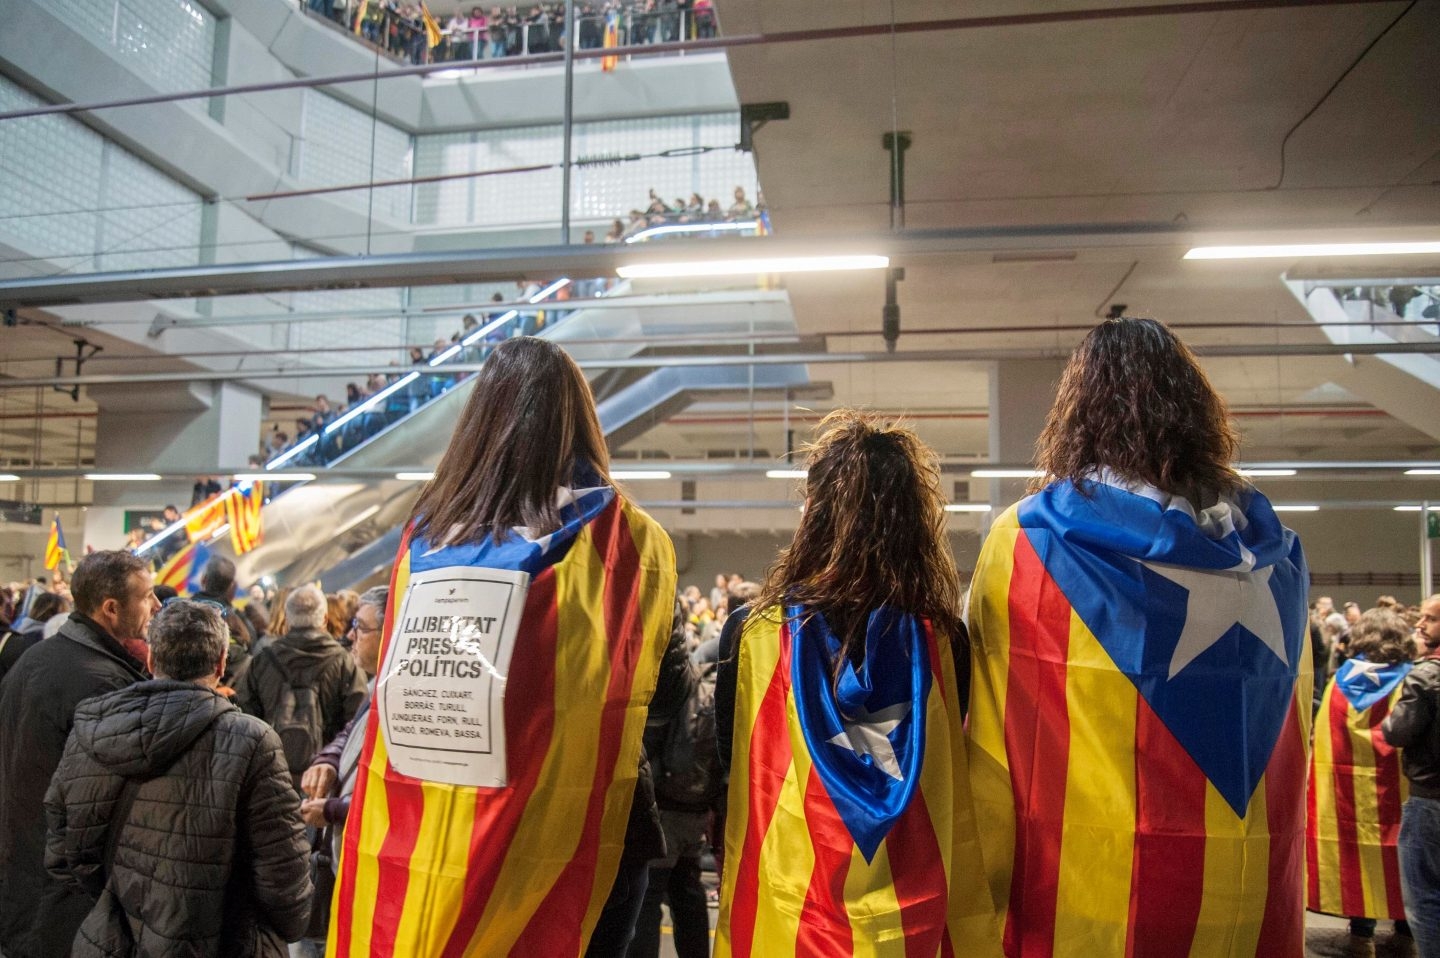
{"x":1365,"y":683}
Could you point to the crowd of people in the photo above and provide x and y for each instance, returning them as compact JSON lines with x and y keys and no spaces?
{"x":536,"y":737}
{"x":510,"y":31}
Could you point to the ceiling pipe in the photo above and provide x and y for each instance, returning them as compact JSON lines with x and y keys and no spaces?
{"x":767,"y":359}
{"x":715,"y":43}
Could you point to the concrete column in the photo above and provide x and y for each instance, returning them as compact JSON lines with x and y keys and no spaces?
{"x":192,"y":428}
{"x":1021,"y":394}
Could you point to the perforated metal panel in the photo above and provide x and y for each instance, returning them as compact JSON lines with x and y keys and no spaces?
{"x":169,"y":42}
{"x":335,"y":150}
{"x":513,"y":199}
{"x":69,"y":196}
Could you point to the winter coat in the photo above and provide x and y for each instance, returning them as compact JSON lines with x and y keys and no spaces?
{"x":38,"y":915}
{"x":311,"y":658}
{"x":212,"y":857}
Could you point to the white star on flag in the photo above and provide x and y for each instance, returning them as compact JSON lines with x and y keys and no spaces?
{"x":871,"y":736}
{"x":1219,"y":600}
{"x":1371,"y":670}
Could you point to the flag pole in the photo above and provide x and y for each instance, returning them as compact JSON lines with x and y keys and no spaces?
{"x":1427,"y":572}
{"x":569,"y":120}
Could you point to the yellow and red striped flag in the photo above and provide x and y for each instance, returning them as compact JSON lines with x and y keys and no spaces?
{"x":360,"y":6}
{"x":243,"y":507}
{"x":492,"y":823}
{"x":433,"y":34}
{"x":1139,"y":723}
{"x":610,"y":41}
{"x":1356,"y":791}
{"x":202,"y":520}
{"x":182,"y":571}
{"x":55,"y":545}
{"x":850,"y":829}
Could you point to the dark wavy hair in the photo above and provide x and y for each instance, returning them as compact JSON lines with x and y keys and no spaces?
{"x":1133,"y":399}
{"x":1381,"y":635}
{"x":872,"y":533}
{"x":527,"y":427}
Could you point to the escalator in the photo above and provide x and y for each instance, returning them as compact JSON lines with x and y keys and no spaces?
{"x":345,"y":534}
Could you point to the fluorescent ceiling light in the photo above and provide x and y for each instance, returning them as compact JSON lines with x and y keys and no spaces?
{"x":488,"y":327}
{"x":273,"y":476}
{"x":414,"y":476}
{"x":1255,"y":473}
{"x":9,"y":477}
{"x":786,"y":473}
{"x":1297,"y":508}
{"x":968,"y":507}
{"x":639,"y":474}
{"x":741,"y":267}
{"x":1422,"y":472}
{"x":1293,"y":250}
{"x":1006,"y":474}
{"x":554,"y":287}
{"x":122,"y":476}
{"x":692,"y":228}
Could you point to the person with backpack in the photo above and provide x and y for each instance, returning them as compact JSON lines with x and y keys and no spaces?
{"x":303,"y":684}
{"x":679,"y":742}
{"x":173,"y":813}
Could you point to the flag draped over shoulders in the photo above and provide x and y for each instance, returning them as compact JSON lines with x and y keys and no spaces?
{"x":1356,"y":792}
{"x":850,"y":829}
{"x":1139,"y":723}
{"x":502,"y":752}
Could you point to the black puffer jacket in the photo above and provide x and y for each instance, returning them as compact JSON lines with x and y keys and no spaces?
{"x":212,"y":859}
{"x":38,"y":916}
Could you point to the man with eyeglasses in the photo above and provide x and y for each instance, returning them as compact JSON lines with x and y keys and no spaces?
{"x":329,"y":782}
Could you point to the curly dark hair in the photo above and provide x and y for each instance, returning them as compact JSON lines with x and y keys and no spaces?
{"x":1133,"y":399}
{"x":872,"y":534}
{"x":1381,"y":635}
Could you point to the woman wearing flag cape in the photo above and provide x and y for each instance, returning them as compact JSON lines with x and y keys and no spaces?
{"x":1141,"y":704}
{"x":1356,"y":789}
{"x":529,"y":609}
{"x":850,"y":826}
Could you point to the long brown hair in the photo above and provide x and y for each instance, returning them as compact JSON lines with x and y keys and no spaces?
{"x":1134,"y":399}
{"x":529,"y":424}
{"x":872,"y":534}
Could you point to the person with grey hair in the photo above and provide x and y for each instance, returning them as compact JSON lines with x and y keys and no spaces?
{"x":168,"y":778}
{"x":329,"y":782}
{"x":93,"y":653}
{"x":303,"y":683}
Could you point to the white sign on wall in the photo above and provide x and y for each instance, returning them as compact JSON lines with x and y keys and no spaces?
{"x":441,"y":692}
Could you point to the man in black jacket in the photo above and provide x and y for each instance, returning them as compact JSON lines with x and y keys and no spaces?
{"x":1414,"y":727}
{"x":304,"y":683}
{"x":87,"y":657}
{"x":166,"y":779}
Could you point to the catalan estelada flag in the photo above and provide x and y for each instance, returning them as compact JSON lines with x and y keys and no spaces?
{"x":182,"y":571}
{"x":243,"y":507}
{"x":1139,"y":723}
{"x":850,"y":829}
{"x":503,"y":748}
{"x":55,"y":545}
{"x":202,"y":520}
{"x":610,"y":40}
{"x":1356,"y":791}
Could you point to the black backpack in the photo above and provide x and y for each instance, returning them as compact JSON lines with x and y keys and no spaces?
{"x":297,"y":718}
{"x":688,"y":773}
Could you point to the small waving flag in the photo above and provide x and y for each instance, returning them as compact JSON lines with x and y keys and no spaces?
{"x":1139,"y":723}
{"x":182,"y":571}
{"x":611,"y":41}
{"x":1356,"y":792}
{"x":850,"y":827}
{"x":55,"y":551}
{"x":433,"y":34}
{"x":493,"y":823}
{"x":243,"y":508}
